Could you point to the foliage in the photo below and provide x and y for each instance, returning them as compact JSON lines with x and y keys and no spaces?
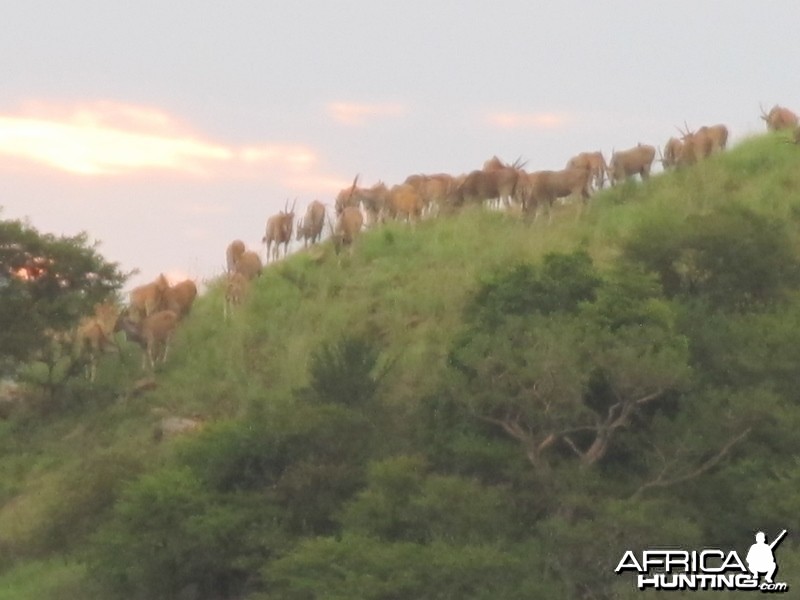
{"x":362,"y":567}
{"x":343,"y":372}
{"x":557,"y":394}
{"x":403,"y":501}
{"x":732,"y":258}
{"x":169,"y":534}
{"x":576,"y":375}
{"x":235,"y":497}
{"x":85,"y":496}
{"x":46,"y":282}
{"x":560,"y":285}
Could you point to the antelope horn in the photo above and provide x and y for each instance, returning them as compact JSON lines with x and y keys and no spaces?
{"x":682,"y":132}
{"x":352,"y":189}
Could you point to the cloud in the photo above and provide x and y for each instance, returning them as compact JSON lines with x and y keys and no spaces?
{"x":109,"y":138}
{"x":294,"y":156}
{"x":354,"y":113}
{"x":533,"y":120}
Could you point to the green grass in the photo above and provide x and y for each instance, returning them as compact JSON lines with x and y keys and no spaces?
{"x":44,"y":580}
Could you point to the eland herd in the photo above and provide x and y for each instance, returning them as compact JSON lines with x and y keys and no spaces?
{"x":155,"y":309}
{"x":499,"y":184}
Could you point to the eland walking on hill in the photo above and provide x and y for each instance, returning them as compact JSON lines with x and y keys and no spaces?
{"x":778,"y":118}
{"x":279,"y":231}
{"x":634,"y":161}
{"x":311,"y":225}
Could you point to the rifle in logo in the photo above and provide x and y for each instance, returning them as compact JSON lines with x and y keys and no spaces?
{"x":760,"y":558}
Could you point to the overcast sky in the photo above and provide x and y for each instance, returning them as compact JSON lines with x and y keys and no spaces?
{"x":167,"y":129}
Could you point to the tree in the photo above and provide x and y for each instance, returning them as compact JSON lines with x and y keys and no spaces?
{"x":568,"y":374}
{"x":733,"y":258}
{"x":46,"y":283}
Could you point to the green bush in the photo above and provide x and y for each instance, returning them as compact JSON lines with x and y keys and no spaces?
{"x":85,"y":495}
{"x":559,"y":285}
{"x":368,"y":569}
{"x":404,"y":502}
{"x":169,"y":534}
{"x":732,"y":258}
{"x":343,"y":372}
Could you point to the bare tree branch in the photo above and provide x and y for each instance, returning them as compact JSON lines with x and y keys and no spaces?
{"x":661,"y":480}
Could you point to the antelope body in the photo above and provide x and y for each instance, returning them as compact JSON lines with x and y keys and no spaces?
{"x":626,"y":163}
{"x":279,"y":231}
{"x":779,"y":118}
{"x":310,"y":226}
{"x":594,"y":162}
{"x":542,"y":188}
{"x":233,"y":253}
{"x":148,"y":298}
{"x":153,"y":334}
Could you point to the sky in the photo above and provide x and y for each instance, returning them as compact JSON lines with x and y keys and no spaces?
{"x":167,"y":129}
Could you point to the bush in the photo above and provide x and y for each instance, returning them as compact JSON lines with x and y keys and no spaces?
{"x":169,"y":534}
{"x":732,"y":258}
{"x":368,"y":569}
{"x":85,"y":495}
{"x":559,"y":285}
{"x":343,"y":372}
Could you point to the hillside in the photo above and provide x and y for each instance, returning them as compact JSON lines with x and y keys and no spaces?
{"x":360,"y":410}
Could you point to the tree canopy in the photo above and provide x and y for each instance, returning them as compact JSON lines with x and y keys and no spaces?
{"x":47,"y":282}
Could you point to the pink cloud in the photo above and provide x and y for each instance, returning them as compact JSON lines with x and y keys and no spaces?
{"x":533,"y":120}
{"x":317,"y":184}
{"x":354,"y":113}
{"x":107,"y":138}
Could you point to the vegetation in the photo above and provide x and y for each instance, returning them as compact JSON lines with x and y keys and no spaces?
{"x":46,"y":283}
{"x":476,"y":407}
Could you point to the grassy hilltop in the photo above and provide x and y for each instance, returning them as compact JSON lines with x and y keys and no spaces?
{"x":391,"y":423}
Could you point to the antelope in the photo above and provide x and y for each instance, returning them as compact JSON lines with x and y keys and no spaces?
{"x":95,"y":334}
{"x":233,"y":253}
{"x":180,"y":297}
{"x":672,"y":152}
{"x":479,"y":186}
{"x":544,"y":187}
{"x":373,"y":199}
{"x":153,"y":334}
{"x":147,"y":299}
{"x":403,"y":201}
{"x":279,"y":231}
{"x":310,"y":226}
{"x":236,"y":286}
{"x":348,"y":227}
{"x":435,"y":190}
{"x":594,"y":162}
{"x":779,"y":118}
{"x":346,"y":197}
{"x":626,"y":163}
{"x":249,"y":265}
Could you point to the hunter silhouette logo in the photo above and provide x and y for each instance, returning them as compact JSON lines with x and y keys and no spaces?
{"x":760,"y":558}
{"x":708,"y":569}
